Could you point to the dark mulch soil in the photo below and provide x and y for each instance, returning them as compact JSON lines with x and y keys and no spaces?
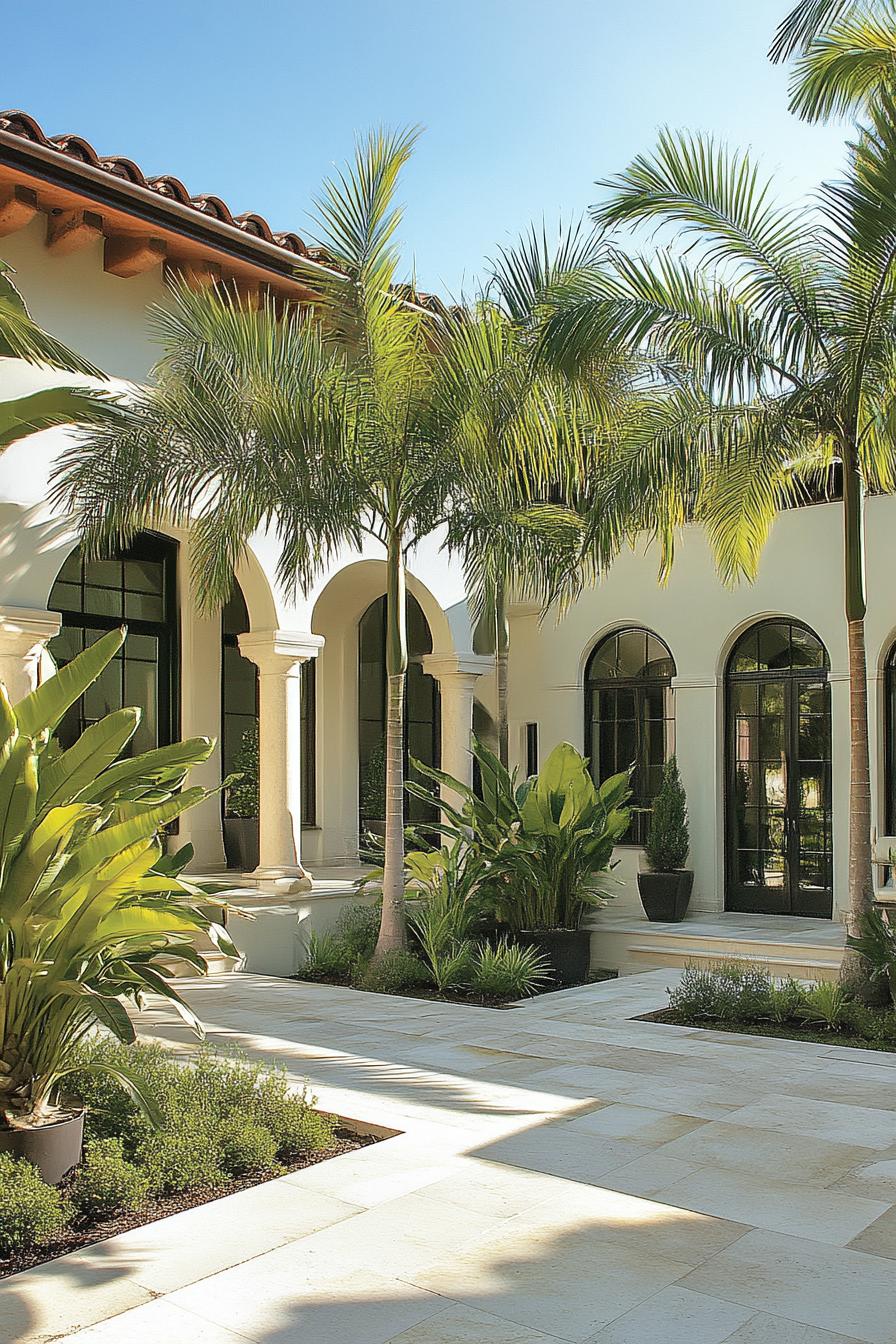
{"x":467,"y":997}
{"x":79,"y":1235}
{"x":786,"y":1031}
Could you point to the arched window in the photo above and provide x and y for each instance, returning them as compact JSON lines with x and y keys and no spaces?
{"x":778,"y":779}
{"x":421,"y":719}
{"x":137,"y":587}
{"x":629,"y":719}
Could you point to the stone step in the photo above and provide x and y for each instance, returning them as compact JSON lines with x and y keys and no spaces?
{"x":803,"y":962}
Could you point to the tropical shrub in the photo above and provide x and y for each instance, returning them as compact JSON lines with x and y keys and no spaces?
{"x":667,"y":843}
{"x":825,"y":1003}
{"x":357,"y":928}
{"x":505,"y":970}
{"x":106,"y":1183}
{"x":242,"y":794}
{"x":537,"y":851}
{"x":876,"y":943}
{"x":31,"y":1212}
{"x":244,"y":1146}
{"x":326,"y":958}
{"x":393,"y":973}
{"x":731,"y":992}
{"x":86,"y":892}
{"x":785,"y":1000}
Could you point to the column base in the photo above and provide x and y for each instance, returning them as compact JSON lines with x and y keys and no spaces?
{"x":281,"y":880}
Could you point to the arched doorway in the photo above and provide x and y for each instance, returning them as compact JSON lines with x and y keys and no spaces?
{"x":136,"y":586}
{"x":629,"y":720}
{"x":421,"y":718}
{"x":778,"y":776}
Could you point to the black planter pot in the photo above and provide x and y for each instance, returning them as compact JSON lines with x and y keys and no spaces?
{"x":567,"y":950}
{"x":241,"y":843}
{"x":665,"y":896}
{"x":54,"y":1149}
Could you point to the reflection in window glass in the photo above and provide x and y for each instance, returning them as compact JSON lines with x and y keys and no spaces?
{"x":629,"y":718}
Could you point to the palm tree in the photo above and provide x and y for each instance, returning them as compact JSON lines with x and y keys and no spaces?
{"x":525,"y":436}
{"x":846,"y":53}
{"x":57,"y":404}
{"x":326,"y":425}
{"x":768,"y":354}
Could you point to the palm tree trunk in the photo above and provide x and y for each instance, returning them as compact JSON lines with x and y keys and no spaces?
{"x":502,"y":643}
{"x":392,"y":924}
{"x":855,"y":971}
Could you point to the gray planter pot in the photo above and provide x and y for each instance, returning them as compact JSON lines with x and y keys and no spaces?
{"x":241,"y":843}
{"x":54,"y":1149}
{"x":665,"y":896}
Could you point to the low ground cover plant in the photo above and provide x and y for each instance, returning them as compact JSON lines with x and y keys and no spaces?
{"x":739,"y":995}
{"x":223,"y":1117}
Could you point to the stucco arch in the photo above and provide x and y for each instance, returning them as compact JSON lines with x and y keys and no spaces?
{"x":350,"y":591}
{"x":756,"y":618}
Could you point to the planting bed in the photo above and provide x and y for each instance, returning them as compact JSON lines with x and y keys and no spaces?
{"x":83,"y":1232}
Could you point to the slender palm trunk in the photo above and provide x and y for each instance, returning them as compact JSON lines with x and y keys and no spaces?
{"x":855,"y":969}
{"x":502,"y":645}
{"x":392,"y":925}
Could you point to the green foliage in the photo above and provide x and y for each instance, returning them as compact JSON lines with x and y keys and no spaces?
{"x":732,"y":992}
{"x":243,"y":1146}
{"x":393,"y":973}
{"x":179,"y":1160}
{"x":506,"y":970}
{"x":357,"y":928}
{"x":106,"y":1183}
{"x":31,"y":1212}
{"x":876,"y":942}
{"x":327,"y":958}
{"x":785,"y":1000}
{"x":826,"y":1003}
{"x":667,"y":842}
{"x":86,"y":892}
{"x":537,"y":851}
{"x":242,"y":795}
{"x":372,"y":795}
{"x":213,"y":1093}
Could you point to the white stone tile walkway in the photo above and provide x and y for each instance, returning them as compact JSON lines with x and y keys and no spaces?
{"x":562,"y":1173}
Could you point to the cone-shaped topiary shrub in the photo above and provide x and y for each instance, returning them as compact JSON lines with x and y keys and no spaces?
{"x":667,"y":842}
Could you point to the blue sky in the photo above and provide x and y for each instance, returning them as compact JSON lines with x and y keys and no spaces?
{"x":524,"y":103}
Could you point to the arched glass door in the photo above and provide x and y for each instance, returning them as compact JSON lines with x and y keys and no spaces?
{"x":778,"y":795}
{"x":136,"y":587}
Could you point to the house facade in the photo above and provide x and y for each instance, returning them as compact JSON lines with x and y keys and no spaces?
{"x":747,"y":686}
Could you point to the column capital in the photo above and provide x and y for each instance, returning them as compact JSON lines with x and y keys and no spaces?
{"x":279,"y":650}
{"x":445,"y":666}
{"x":23,"y":627}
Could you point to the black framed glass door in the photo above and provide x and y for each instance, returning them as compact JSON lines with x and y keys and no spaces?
{"x":779,"y":851}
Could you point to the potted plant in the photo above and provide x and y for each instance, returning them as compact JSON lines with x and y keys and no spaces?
{"x":545,"y":847}
{"x":241,"y":806}
{"x":666,"y":889}
{"x":89,"y":902}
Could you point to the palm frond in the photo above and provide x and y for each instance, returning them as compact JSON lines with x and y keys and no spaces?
{"x":805,"y":22}
{"x":845,"y":67}
{"x":22,"y":338}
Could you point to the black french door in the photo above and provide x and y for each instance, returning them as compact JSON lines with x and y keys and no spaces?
{"x":779,"y":852}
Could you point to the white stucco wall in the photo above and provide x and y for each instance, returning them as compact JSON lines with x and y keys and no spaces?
{"x":800,"y":576}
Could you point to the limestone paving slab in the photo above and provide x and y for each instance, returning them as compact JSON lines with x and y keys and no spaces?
{"x":560,"y":1172}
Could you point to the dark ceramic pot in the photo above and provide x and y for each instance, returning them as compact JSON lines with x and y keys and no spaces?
{"x":567,"y":950}
{"x":241,"y":843}
{"x":665,"y":896}
{"x":54,"y":1149}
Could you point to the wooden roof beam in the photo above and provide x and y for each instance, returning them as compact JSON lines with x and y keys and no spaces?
{"x":70,"y":230}
{"x":195,"y":274}
{"x":127,"y":256}
{"x":18,"y":206}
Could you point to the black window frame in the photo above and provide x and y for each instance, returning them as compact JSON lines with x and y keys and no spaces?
{"x":637,"y":687}
{"x":156,"y":548}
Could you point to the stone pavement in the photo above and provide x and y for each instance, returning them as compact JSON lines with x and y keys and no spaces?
{"x":562,"y":1173}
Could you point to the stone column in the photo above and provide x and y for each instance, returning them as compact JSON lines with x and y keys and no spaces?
{"x":457,"y":675}
{"x":279,"y":655}
{"x":24,"y":633}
